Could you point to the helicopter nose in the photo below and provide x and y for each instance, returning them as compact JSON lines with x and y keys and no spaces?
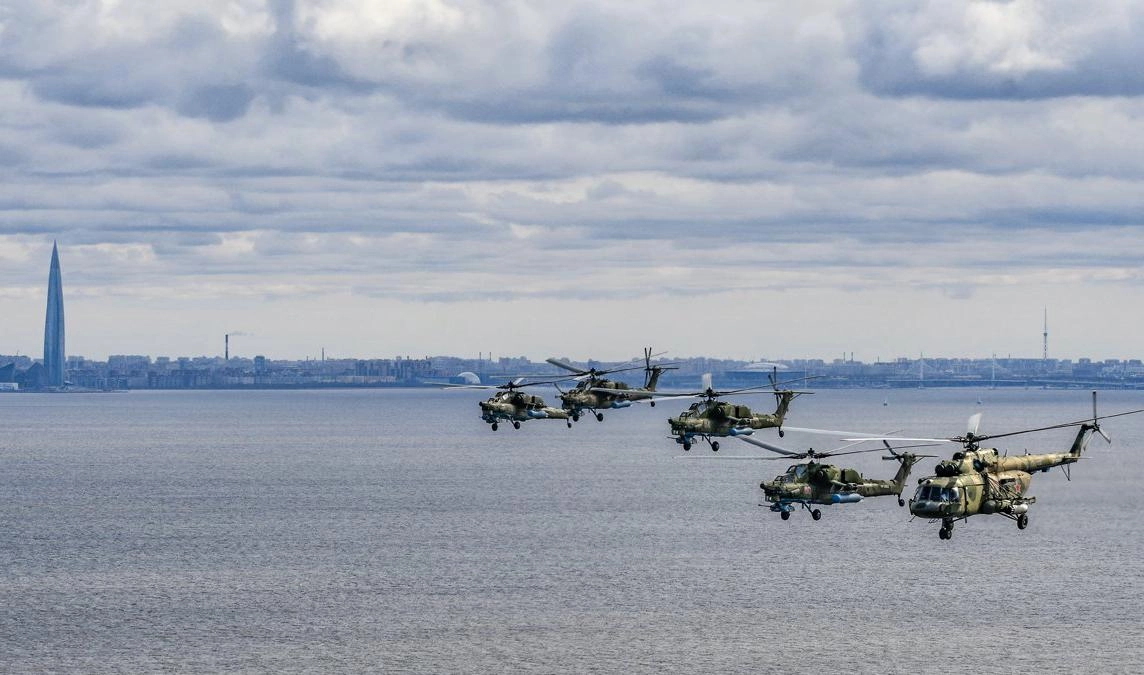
{"x":925,"y":508}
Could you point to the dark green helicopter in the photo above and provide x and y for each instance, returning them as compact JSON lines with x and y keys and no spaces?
{"x":510,"y":404}
{"x":814,"y":483}
{"x":710,"y":418}
{"x":594,"y":392}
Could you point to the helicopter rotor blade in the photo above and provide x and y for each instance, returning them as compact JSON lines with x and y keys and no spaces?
{"x":837,"y":454}
{"x":1063,"y":425}
{"x":776,"y":385}
{"x":904,"y":438}
{"x":566,"y":366}
{"x":833,"y":432}
{"x":767,"y":446}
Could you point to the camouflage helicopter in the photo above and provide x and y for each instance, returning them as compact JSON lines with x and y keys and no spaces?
{"x":711,"y":418}
{"x":813,"y":483}
{"x":512,"y":405}
{"x":595,"y":393}
{"x":981,"y":481}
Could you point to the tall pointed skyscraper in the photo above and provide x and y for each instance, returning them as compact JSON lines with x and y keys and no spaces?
{"x":55,"y":360}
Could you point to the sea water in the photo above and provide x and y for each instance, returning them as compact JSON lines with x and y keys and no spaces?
{"x":392,"y":530}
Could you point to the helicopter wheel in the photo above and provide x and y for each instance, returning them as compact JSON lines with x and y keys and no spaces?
{"x":575,"y":417}
{"x":515,"y":425}
{"x":569,"y":424}
{"x":785,"y":515}
{"x":781,"y":433}
{"x":1022,"y":521}
{"x":816,"y":514}
{"x":944,"y":533}
{"x":714,"y":446}
{"x":651,"y":403}
{"x":901,"y":502}
{"x":599,"y":417}
{"x":494,"y":426}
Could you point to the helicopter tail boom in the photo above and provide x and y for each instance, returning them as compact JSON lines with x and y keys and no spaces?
{"x":784,"y":398}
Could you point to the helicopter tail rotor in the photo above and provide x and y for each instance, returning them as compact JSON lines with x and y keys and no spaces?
{"x":973,"y":426}
{"x":1096,"y":423}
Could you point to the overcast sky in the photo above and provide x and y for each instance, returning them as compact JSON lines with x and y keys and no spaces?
{"x":736,"y":179}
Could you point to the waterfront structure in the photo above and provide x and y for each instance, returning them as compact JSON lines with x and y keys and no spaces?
{"x":55,"y":359}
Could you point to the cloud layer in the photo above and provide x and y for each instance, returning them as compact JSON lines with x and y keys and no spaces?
{"x":725,"y":165}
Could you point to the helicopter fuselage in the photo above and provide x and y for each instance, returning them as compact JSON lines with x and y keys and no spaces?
{"x":516,"y":407}
{"x":585,"y":397}
{"x":720,"y":419}
{"x":815,"y":483}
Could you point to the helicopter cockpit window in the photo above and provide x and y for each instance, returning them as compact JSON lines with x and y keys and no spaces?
{"x":935,"y":493}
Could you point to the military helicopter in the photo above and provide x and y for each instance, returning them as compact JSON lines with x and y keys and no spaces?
{"x":512,"y":405}
{"x":981,"y":481}
{"x":814,"y":483}
{"x":595,"y":393}
{"x":711,"y":418}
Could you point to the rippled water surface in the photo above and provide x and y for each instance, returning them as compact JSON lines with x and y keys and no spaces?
{"x":346,"y":531}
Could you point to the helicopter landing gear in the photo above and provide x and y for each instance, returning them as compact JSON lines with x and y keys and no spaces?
{"x":569,"y":424}
{"x":1022,"y":521}
{"x":599,"y":417}
{"x":651,"y":403}
{"x":946,"y":531}
{"x":714,"y":446}
{"x":686,"y":446}
{"x":575,"y":417}
{"x":901,"y":502}
{"x":816,"y":514}
{"x":781,"y":433}
{"x":515,"y":424}
{"x":785,"y":515}
{"x":494,"y":426}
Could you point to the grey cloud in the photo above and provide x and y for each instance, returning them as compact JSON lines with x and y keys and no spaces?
{"x":218,"y":103}
{"x":630,"y":145}
{"x":1083,"y":49}
{"x":287,"y":58}
{"x":81,"y":87}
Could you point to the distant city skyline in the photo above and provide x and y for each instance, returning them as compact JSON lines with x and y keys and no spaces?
{"x":53,"y":341}
{"x":744,"y":180}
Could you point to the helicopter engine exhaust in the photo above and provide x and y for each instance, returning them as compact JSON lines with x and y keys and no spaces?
{"x":850,"y":498}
